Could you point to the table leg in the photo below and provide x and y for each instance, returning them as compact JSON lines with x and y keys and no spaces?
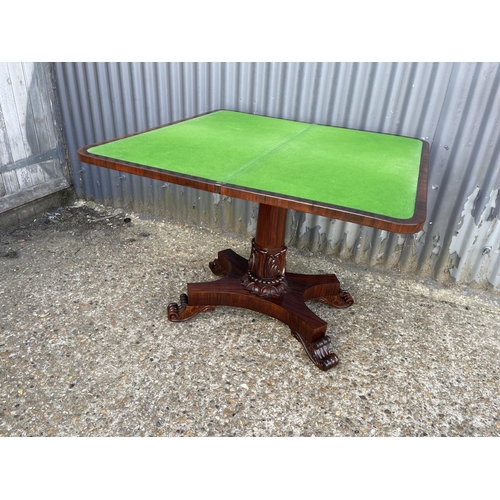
{"x":262,"y":284}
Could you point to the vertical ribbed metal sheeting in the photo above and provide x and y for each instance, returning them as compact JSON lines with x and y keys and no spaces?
{"x":454,"y":106}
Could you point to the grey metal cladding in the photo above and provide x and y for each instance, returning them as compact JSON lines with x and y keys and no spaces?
{"x":453,"y":106}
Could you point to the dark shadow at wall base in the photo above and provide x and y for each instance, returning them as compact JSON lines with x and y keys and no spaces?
{"x":31,"y":210}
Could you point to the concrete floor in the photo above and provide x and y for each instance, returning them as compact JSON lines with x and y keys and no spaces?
{"x":86,"y":348}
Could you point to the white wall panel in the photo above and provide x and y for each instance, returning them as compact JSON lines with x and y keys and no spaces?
{"x":32,"y":163}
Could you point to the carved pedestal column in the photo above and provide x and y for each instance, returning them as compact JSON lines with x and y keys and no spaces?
{"x":267,"y":262}
{"x":266,"y":271}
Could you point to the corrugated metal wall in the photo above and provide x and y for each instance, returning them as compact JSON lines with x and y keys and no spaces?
{"x":454,"y":106}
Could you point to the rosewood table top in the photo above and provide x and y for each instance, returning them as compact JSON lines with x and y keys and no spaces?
{"x":374,"y":179}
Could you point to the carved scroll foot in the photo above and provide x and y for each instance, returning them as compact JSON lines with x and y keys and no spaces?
{"x":340,"y":301}
{"x":184,"y":311}
{"x":318,"y":351}
{"x":217,"y":269}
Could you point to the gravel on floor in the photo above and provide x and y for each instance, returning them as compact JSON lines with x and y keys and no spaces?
{"x":86,"y":348}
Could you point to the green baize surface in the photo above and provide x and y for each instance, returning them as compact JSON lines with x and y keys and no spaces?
{"x":359,"y":170}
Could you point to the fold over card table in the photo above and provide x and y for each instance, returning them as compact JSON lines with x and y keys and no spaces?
{"x":374,"y":179}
